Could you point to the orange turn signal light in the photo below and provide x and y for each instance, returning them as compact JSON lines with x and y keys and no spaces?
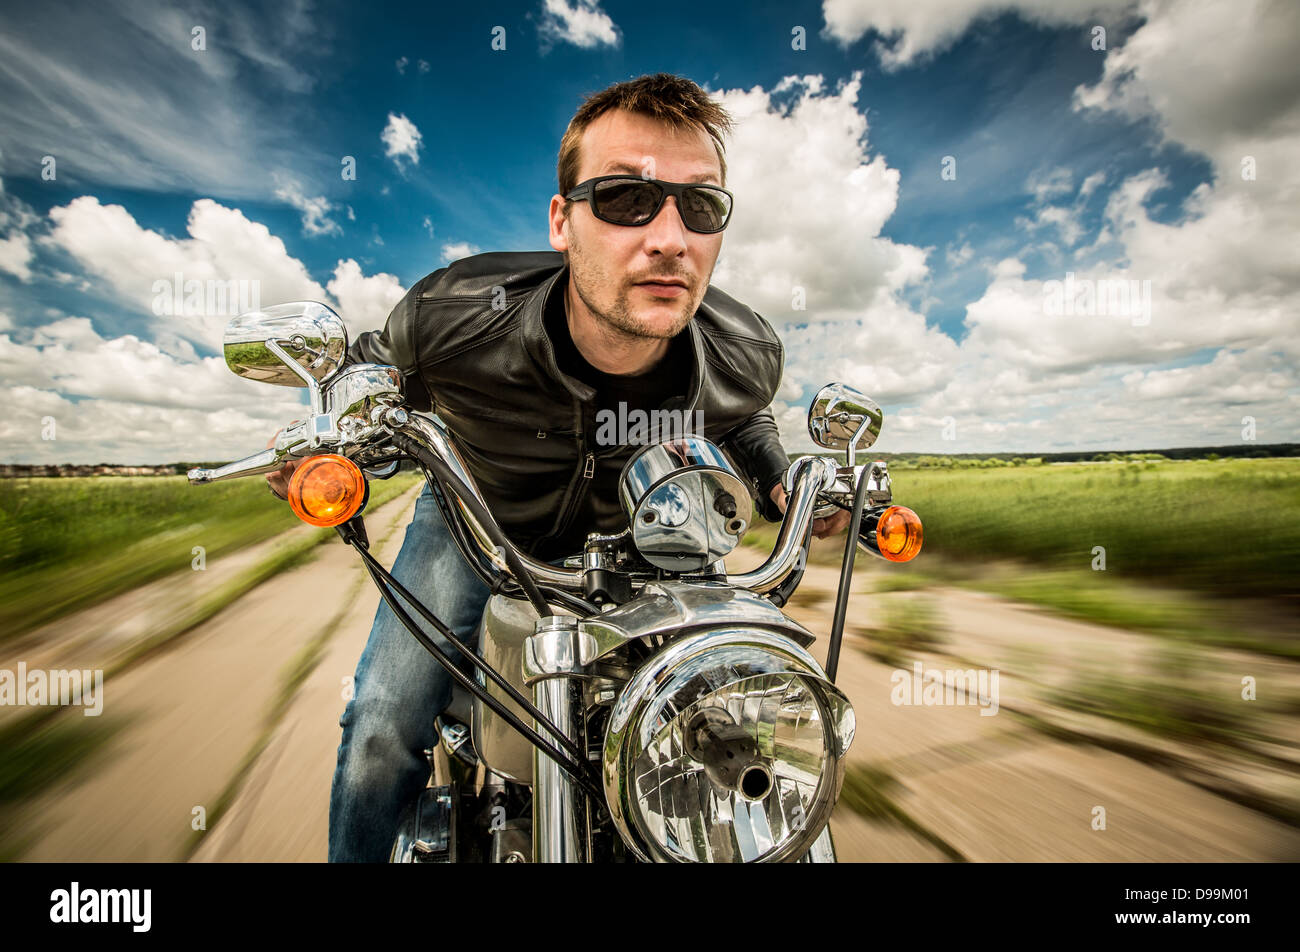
{"x":893,"y":533}
{"x":327,"y":490}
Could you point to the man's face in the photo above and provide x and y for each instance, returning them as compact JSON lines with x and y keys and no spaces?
{"x":611,"y":264}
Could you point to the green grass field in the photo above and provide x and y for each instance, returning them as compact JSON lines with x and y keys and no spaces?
{"x":66,"y":543}
{"x":1223,"y":527}
{"x":1220,"y":528}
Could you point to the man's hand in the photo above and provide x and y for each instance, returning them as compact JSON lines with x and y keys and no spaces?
{"x":279,"y":480}
{"x":822,"y":528}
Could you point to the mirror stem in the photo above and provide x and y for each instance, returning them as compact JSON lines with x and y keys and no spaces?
{"x":853,"y":443}
{"x":313,"y":387}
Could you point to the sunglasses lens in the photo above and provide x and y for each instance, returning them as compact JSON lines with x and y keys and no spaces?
{"x":626,"y":201}
{"x":634,"y":201}
{"x":705,"y":209}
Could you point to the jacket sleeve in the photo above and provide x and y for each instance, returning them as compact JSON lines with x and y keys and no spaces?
{"x":756,"y":444}
{"x":397,"y":345}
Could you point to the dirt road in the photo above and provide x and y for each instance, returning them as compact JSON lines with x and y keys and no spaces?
{"x":226,"y":741}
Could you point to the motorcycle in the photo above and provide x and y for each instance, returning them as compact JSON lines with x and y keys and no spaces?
{"x":638,"y":703}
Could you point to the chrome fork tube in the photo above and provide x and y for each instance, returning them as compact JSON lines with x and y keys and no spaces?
{"x":823,"y":850}
{"x":557,"y":800}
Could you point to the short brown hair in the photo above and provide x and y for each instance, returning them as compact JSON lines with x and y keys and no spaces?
{"x":674,"y":100}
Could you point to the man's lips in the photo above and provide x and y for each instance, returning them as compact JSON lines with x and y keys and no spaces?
{"x":669,"y":287}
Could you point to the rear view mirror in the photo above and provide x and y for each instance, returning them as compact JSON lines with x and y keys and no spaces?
{"x":311,"y":336}
{"x":841,"y":418}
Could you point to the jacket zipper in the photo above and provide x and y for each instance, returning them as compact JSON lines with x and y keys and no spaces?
{"x":577,"y":487}
{"x":577,"y":491}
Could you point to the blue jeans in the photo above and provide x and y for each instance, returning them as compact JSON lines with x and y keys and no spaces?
{"x":398,"y":690}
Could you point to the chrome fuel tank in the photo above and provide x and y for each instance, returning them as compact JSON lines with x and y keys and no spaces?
{"x":507,"y":623}
{"x":663,"y":609}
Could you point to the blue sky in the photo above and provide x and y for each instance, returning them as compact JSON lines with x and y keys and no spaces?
{"x":1111,"y":164}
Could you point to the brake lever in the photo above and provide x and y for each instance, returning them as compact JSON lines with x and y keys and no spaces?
{"x":289,"y":443}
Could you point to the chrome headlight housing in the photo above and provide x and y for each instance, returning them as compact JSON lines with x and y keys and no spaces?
{"x":726,"y":746}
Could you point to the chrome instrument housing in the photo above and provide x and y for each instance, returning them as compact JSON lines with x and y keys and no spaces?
{"x":358,"y":397}
{"x":685,"y":503}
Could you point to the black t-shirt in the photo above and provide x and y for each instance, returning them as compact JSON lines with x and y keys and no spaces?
{"x":667,"y":380}
{"x":664,"y":387}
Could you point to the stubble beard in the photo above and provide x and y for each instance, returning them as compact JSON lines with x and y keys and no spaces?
{"x":619,"y":318}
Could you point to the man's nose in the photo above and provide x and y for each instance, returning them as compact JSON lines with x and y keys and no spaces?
{"x":665,"y":233}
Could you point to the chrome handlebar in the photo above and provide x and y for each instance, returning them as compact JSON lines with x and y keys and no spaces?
{"x":808,"y":476}
{"x":266,"y":461}
{"x":302,"y":438}
{"x":811,"y":474}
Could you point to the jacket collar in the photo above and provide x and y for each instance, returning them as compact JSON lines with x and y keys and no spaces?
{"x":540,"y":348}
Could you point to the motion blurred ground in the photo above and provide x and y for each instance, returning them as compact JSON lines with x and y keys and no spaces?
{"x":238,"y":715}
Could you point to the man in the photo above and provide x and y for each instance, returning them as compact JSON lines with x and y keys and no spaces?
{"x":521,"y":354}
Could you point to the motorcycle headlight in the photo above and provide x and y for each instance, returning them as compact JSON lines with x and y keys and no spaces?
{"x":726,"y":746}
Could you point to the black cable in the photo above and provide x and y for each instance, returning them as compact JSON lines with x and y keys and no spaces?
{"x":496,"y":580}
{"x":570,"y":601}
{"x":846,"y":580}
{"x":780,"y":595}
{"x":576,"y":771}
{"x":481,"y":514}
{"x":470,"y":655}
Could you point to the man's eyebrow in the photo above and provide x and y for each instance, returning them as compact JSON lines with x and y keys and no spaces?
{"x":613,"y":167}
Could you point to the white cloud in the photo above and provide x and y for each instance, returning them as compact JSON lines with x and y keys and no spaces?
{"x":1224,"y":81}
{"x":460,"y":249}
{"x":363,"y":301}
{"x":16,"y":255}
{"x":134,"y":402}
{"x":1223,"y":278}
{"x":580,"y":22}
{"x":402,"y":140}
{"x":810,"y":205}
{"x":1063,"y":219}
{"x":71,"y":357}
{"x":1091,"y":183}
{"x":1218,"y":79}
{"x":16,"y":252}
{"x":131,"y":399}
{"x":315,"y":211}
{"x":959,"y":257}
{"x":146,"y":110}
{"x":914,"y":29}
{"x":223,"y":245}
{"x":1054,"y":183}
{"x":114,"y":431}
{"x":401,"y":65}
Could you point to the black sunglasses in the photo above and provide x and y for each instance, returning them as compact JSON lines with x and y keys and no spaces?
{"x":629,"y":200}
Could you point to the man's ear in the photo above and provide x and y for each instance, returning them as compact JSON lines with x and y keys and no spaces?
{"x":559,"y":222}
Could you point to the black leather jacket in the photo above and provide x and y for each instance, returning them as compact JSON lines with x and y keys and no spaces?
{"x":470,"y":342}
